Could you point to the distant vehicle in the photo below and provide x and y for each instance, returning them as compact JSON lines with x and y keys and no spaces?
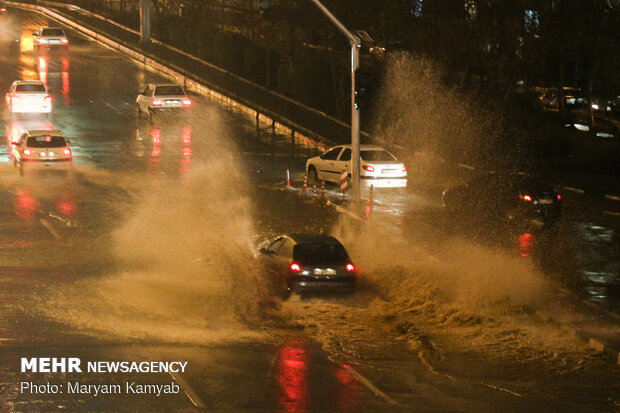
{"x":41,"y":149}
{"x":505,"y":198}
{"x":2,"y":8}
{"x":50,"y":37}
{"x":308,"y":263}
{"x":573,"y":97}
{"x":28,"y":96}
{"x":162,"y":97}
{"x":379,"y":167}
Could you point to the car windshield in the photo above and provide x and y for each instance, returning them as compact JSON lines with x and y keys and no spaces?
{"x":52,"y":32}
{"x":30,"y":87}
{"x":377,"y":155}
{"x":46,"y":141}
{"x":320,"y":253}
{"x":169,"y":91}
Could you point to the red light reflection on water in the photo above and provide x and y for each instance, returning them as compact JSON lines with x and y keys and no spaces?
{"x":25,"y":205}
{"x":293,"y":378}
{"x":526,"y":244}
{"x":66,"y":87}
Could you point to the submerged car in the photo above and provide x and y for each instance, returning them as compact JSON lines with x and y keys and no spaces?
{"x":308,"y":263}
{"x":162,"y":97}
{"x":505,"y":198}
{"x":28,"y":96}
{"x":50,"y":37}
{"x":42,"y":149}
{"x":379,"y":167}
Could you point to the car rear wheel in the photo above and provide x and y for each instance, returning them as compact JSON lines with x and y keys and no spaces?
{"x":313,"y":177}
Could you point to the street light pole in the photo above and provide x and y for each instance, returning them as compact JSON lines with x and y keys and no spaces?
{"x":355,"y":111}
{"x":145,"y":21}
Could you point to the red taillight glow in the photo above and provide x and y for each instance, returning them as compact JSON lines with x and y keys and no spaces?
{"x":559,"y":197}
{"x":65,"y":41}
{"x":368,"y":168}
{"x":526,"y":198}
{"x":404,"y":169}
{"x":3,"y":9}
{"x":187,"y":102}
{"x":48,"y":99}
{"x":67,"y":151}
{"x":350,"y":267}
{"x":26,"y":151}
{"x":295,"y":267}
{"x":157,"y":102}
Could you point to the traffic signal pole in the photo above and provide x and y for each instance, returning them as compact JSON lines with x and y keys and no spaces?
{"x":355,"y":110}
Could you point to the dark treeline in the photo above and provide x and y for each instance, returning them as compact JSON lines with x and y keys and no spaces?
{"x":483,"y":46}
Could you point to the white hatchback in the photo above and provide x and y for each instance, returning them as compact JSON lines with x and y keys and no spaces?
{"x":50,"y":37}
{"x":42,"y":149}
{"x":379,"y":168}
{"x":162,"y":97}
{"x":28,"y":96}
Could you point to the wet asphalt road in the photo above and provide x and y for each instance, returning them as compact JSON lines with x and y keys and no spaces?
{"x":140,"y":254}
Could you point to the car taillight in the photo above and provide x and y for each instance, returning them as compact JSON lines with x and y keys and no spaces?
{"x":404,"y":169}
{"x":26,"y":152}
{"x":67,"y":151}
{"x":48,"y":99}
{"x":65,"y":41}
{"x":350,"y":267}
{"x":294,"y":267}
{"x":559,"y":197}
{"x":526,"y":198}
{"x":157,"y":102}
{"x":2,"y":8}
{"x":368,"y":168}
{"x":187,"y":102}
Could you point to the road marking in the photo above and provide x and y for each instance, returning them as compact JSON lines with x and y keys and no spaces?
{"x":612,"y":197}
{"x":113,"y":108}
{"x":369,"y":385}
{"x":617,"y":214}
{"x":471,"y":168}
{"x":187,"y":389}
{"x":49,"y":227}
{"x":570,"y":188}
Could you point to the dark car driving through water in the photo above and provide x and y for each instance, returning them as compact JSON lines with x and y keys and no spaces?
{"x":308,"y":263}
{"x":516,"y":199}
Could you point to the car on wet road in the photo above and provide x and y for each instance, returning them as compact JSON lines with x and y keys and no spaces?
{"x":514,"y":198}
{"x":305,"y":263}
{"x":42,"y":149}
{"x":50,"y":37}
{"x":2,"y":8}
{"x":162,"y":97}
{"x":379,"y":167}
{"x":28,"y":97}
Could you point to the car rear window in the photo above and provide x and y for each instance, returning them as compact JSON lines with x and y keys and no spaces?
{"x":169,"y":91}
{"x":377,"y":155}
{"x":30,"y":88}
{"x":46,"y":141}
{"x":52,"y":32}
{"x":309,"y":254}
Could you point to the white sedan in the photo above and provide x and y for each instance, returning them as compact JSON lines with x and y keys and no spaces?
{"x":379,"y":168}
{"x":41,"y":149}
{"x":50,"y":37}
{"x":28,"y":96}
{"x":162,"y":97}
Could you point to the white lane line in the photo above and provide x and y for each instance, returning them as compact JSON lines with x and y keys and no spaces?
{"x":49,"y":227}
{"x":471,"y":168}
{"x":369,"y":385}
{"x":188,"y":390}
{"x":570,"y":188}
{"x":616,"y":214}
{"x":612,"y":197}
{"x":112,"y":107}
